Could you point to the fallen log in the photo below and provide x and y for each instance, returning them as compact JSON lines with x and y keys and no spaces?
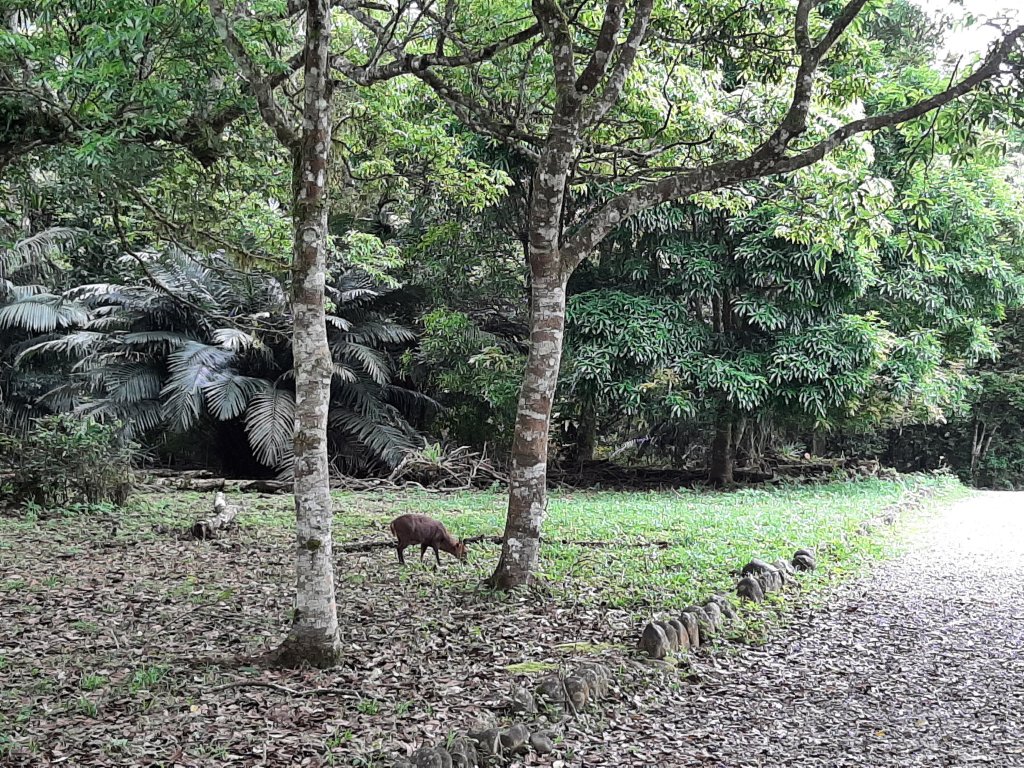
{"x":179,"y":483}
{"x":222,"y":519}
{"x":262,"y":486}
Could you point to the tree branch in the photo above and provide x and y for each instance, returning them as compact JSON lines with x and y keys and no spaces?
{"x":625,"y":57}
{"x":262,"y":89}
{"x":795,"y":121}
{"x":406,"y":63}
{"x":718,"y":175}
{"x":559,"y":36}
{"x":478,"y":118}
{"x":597,"y":67}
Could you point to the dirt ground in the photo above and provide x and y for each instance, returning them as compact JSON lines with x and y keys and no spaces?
{"x":128,"y":652}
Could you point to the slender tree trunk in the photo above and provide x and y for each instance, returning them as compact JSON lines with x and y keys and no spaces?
{"x":527,"y":502}
{"x":720,"y":468}
{"x":586,"y":434}
{"x":314,"y":637}
{"x":739,"y":431}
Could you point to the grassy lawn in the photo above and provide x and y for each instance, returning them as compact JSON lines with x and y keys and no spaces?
{"x":118,"y":632}
{"x":708,"y":535}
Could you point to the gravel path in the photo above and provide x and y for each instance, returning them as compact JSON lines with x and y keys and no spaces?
{"x":920,"y":663}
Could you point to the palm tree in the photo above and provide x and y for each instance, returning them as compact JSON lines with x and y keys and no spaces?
{"x":198,"y":342}
{"x":30,"y":306}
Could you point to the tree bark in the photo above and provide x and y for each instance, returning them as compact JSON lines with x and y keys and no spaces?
{"x":723,"y":458}
{"x":527,"y":502}
{"x":314,"y":638}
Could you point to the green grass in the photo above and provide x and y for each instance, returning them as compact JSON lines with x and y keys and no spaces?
{"x":368,"y":706}
{"x":148,"y":677}
{"x":91,"y":682}
{"x":708,"y":535}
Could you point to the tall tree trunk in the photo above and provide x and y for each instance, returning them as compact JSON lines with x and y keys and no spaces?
{"x":720,"y":468}
{"x":314,"y":637}
{"x":527,"y":501}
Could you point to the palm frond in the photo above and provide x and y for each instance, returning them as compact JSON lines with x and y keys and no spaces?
{"x":339,"y":322}
{"x":377,"y":332}
{"x":236,"y":340}
{"x":37,"y":252}
{"x":270,"y":425}
{"x":139,"y":417}
{"x":41,"y":313}
{"x":155,"y":338}
{"x":132,"y":383}
{"x":74,"y":344}
{"x":409,"y":401}
{"x":193,"y":367}
{"x":372,"y":362}
{"x":388,"y":439}
{"x":25,"y":290}
{"x":66,"y":395}
{"x":229,"y":394}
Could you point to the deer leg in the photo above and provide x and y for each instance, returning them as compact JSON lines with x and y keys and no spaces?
{"x":401,"y":555}
{"x":423,"y":551}
{"x":436,"y":555}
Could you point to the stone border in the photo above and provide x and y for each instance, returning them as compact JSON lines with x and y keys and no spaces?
{"x":699,"y":624}
{"x":553,"y":698}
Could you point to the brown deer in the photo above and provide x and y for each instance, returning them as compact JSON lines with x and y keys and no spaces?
{"x":428,"y":533}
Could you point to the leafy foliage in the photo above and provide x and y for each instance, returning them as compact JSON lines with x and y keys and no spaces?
{"x":475,"y":374}
{"x":822,"y":300}
{"x":62,"y":460}
{"x":197,"y":340}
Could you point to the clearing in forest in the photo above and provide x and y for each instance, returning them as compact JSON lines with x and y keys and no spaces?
{"x":120,"y":637}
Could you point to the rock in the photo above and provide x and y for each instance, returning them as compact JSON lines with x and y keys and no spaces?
{"x":714,"y":612}
{"x":483,"y":721}
{"x":804,"y":560}
{"x":681,"y":634}
{"x":653,"y":641}
{"x":487,"y":742}
{"x":726,"y":606}
{"x":522,"y":702}
{"x":769,"y":579}
{"x":578,"y":690}
{"x":550,"y":689}
{"x":767,"y":575}
{"x":514,"y":740}
{"x":706,"y":629}
{"x":429,"y":757}
{"x":463,"y":754}
{"x":670,"y":635}
{"x":542,"y":743}
{"x":754,"y":568}
{"x":689,"y":621}
{"x":785,"y":570}
{"x":750,"y":589}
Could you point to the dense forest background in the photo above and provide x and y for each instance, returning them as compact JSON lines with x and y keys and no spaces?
{"x":867,"y":306}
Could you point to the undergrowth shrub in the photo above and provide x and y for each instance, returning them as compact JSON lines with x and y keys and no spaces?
{"x":63,"y":460}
